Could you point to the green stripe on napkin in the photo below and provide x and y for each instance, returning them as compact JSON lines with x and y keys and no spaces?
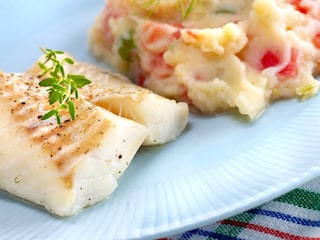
{"x":301,"y":198}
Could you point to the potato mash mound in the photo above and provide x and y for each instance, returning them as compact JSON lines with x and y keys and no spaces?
{"x":223,"y":55}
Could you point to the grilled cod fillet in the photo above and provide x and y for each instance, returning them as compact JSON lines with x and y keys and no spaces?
{"x":63,"y":168}
{"x":164,"y":119}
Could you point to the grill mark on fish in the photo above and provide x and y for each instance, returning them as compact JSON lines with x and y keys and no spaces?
{"x":27,"y":103}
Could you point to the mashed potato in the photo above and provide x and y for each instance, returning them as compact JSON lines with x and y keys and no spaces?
{"x":223,"y":55}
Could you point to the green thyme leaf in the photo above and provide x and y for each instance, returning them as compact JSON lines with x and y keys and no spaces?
{"x":59,"y":88}
{"x":49,"y":114}
{"x":54,"y":96}
{"x":71,"y":110}
{"x":79,"y":81}
{"x":62,"y":88}
{"x":64,"y":106}
{"x":68,"y":60}
{"x":58,"y":118}
{"x":47,"y":82}
{"x":56,"y":51}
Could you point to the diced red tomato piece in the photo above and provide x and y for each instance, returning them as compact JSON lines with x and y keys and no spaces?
{"x":178,"y":25}
{"x":184,"y":97}
{"x":270,"y":59}
{"x":156,"y":36}
{"x":177,"y":34}
{"x":155,"y":32}
{"x":291,"y":69}
{"x":316,"y":40}
{"x":140,"y":77}
{"x":192,"y":34}
{"x":298,"y":5}
{"x":160,"y":67}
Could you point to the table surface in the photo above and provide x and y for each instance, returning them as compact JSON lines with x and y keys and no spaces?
{"x":292,"y":216}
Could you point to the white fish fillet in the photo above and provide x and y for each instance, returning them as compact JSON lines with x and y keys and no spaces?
{"x":63,"y":168}
{"x":165,"y":119}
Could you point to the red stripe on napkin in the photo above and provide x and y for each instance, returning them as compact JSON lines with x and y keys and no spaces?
{"x":266,"y":230}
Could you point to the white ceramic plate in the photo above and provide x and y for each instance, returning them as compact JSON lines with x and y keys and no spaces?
{"x":219,"y":167}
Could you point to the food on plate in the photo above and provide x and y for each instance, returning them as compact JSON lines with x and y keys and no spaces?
{"x":214,"y":55}
{"x":74,"y":160}
{"x":164,"y":119}
{"x":61,"y":167}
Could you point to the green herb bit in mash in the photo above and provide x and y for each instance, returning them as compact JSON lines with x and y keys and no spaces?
{"x":181,"y":7}
{"x":149,"y":4}
{"x":306,"y":91}
{"x":224,"y":11}
{"x":186,"y":11}
{"x":62,"y":88}
{"x":126,"y":46}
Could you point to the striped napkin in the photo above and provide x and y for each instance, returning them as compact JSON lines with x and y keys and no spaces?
{"x":293,"y":216}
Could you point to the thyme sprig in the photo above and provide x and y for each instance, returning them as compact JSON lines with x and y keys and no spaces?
{"x":62,"y":87}
{"x":185,"y":10}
